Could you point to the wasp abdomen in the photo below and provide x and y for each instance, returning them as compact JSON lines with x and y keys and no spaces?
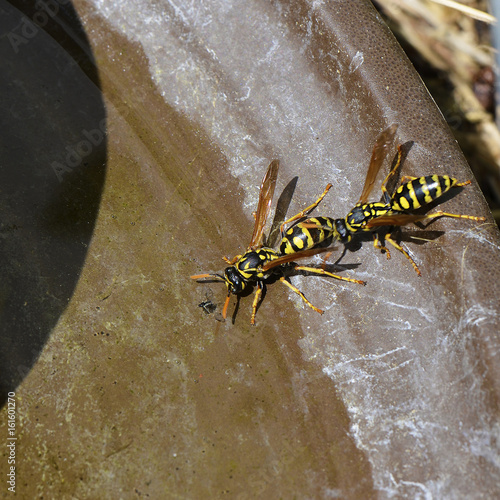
{"x":421,"y":191}
{"x":310,"y":233}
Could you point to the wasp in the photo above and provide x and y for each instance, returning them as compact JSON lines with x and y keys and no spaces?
{"x":397,"y":209}
{"x":327,"y":229}
{"x":260,"y":264}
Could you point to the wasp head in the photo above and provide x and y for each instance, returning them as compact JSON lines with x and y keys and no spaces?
{"x":234,"y":280}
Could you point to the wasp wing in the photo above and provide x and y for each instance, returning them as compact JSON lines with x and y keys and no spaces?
{"x":264,"y":206}
{"x":294,"y":256}
{"x":395,"y":220}
{"x":382,"y":145}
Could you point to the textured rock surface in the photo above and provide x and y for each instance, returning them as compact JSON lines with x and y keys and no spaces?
{"x":126,"y":388}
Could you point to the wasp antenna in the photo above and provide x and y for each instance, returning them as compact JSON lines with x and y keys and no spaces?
{"x":216,"y":277}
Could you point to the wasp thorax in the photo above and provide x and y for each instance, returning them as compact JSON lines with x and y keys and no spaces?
{"x":252,"y":260}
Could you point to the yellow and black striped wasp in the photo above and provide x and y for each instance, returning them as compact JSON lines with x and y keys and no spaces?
{"x":413,"y":194}
{"x":395,"y":210}
{"x":312,"y":229}
{"x":260,"y":263}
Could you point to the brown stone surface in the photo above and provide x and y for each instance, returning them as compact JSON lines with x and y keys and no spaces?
{"x":124,"y":387}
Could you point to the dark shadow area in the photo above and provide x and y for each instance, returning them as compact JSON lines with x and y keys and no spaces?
{"x":280,"y":213}
{"x":53,"y":158}
{"x":394,"y":182}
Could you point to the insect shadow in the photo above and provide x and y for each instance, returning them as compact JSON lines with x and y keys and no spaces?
{"x":282,"y":206}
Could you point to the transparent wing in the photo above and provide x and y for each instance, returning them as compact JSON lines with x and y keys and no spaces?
{"x":264,"y":206}
{"x":382,"y":145}
{"x":395,"y":220}
{"x":295,"y":256}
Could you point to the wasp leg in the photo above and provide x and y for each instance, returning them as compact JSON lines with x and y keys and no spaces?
{"x":326,"y":273}
{"x":341,"y":255}
{"x":404,"y":252}
{"x":305,"y":211}
{"x":231,"y":261}
{"x":407,"y":178}
{"x":435,"y":215}
{"x":378,"y":245}
{"x":325,"y":258}
{"x":300,"y":294}
{"x":256,"y":300}
{"x":226,"y":304}
{"x":391,"y":173}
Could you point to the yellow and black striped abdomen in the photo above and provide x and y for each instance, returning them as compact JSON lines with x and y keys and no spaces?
{"x":310,"y":233}
{"x":421,"y":191}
